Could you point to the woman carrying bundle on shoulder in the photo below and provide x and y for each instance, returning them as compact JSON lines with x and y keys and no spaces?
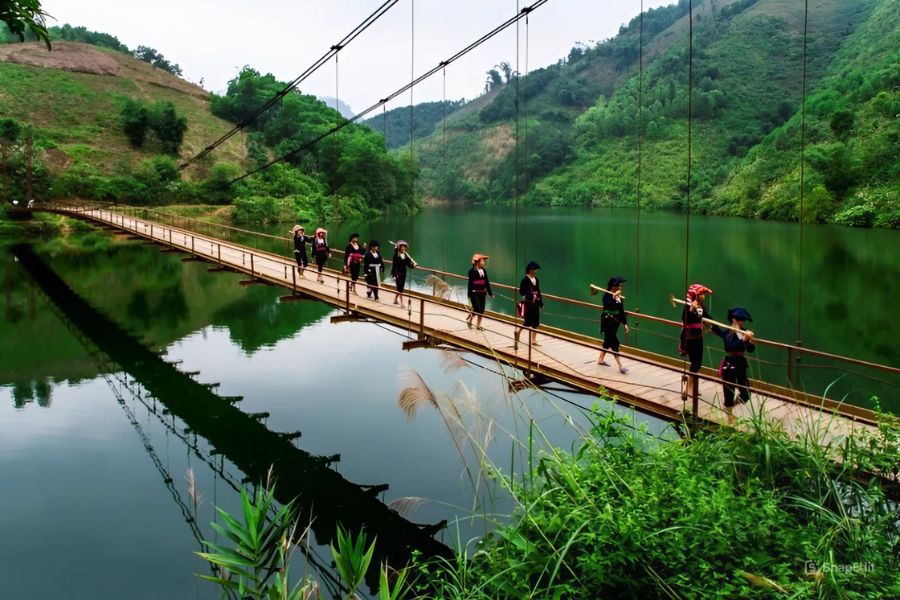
{"x":613,"y":315}
{"x":691,"y":341}
{"x":353,"y":256}
{"x":733,"y":368}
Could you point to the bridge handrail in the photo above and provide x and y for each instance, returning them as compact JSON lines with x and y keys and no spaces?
{"x":790,"y":348}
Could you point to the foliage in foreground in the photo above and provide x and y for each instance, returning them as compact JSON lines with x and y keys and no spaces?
{"x":257,"y":566}
{"x":726,"y":514}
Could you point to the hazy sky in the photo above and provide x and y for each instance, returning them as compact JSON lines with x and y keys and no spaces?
{"x":213,"y":39}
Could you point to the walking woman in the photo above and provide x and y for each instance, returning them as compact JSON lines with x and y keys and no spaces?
{"x":733,"y":368}
{"x":353,"y":256}
{"x":399,"y":264}
{"x":613,"y":315}
{"x":531,"y":304}
{"x":691,"y":340}
{"x":320,"y":251}
{"x":300,"y":241}
{"x":374,"y":264}
{"x":479,"y":288}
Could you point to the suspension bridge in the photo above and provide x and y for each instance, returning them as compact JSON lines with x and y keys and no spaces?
{"x":654,"y":384}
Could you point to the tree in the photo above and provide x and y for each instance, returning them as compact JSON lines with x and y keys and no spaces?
{"x":168,"y":126}
{"x":494,"y":80}
{"x":20,"y":15}
{"x":135,"y":121}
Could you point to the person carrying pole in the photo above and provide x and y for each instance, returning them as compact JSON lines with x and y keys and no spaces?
{"x":374,"y":264}
{"x":300,"y":241}
{"x":531,"y":303}
{"x":733,"y":368}
{"x":690,"y":342}
{"x":479,"y":288}
{"x":321,"y":251}
{"x":353,"y":256}
{"x":613,"y":315}
{"x":399,"y":265}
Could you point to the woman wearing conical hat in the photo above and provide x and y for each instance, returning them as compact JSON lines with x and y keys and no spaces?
{"x":300,"y":242}
{"x":399,"y":265}
{"x":321,"y":251}
{"x":532,"y":303}
{"x":479,"y":289}
{"x":353,"y":256}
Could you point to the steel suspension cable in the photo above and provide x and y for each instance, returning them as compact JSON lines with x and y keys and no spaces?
{"x":461,"y":53}
{"x":516,"y":177}
{"x":690,"y":115}
{"x":315,"y":66}
{"x":525,"y":128}
{"x":444,"y":171}
{"x":802,"y":172}
{"x":640,"y":158}
{"x":412,"y":77}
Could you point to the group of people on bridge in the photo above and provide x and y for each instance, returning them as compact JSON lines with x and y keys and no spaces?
{"x":695,"y":318}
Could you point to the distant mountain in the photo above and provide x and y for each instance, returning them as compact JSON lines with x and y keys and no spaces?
{"x":579,"y":142}
{"x":339,"y":105}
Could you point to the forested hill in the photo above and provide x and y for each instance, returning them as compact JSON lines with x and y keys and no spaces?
{"x":426,"y":117}
{"x":579,"y":142}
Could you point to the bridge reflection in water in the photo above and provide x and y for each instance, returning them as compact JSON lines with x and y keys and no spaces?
{"x":320,"y":493}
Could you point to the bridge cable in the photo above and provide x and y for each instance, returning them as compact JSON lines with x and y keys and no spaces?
{"x":525,"y":127}
{"x":461,"y":53}
{"x":516,"y":177}
{"x":444,"y":172}
{"x":687,"y":224}
{"x":640,"y":160}
{"x":315,"y":66}
{"x":802,"y":171}
{"x":412,"y":77}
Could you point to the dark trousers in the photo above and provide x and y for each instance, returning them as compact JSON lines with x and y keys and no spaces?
{"x":354,"y":271}
{"x":733,"y":371}
{"x":478,"y":301}
{"x":400,"y":282}
{"x":301,"y":259}
{"x":609,"y":325}
{"x":321,"y":259}
{"x":693,"y":347}
{"x":372,"y":282}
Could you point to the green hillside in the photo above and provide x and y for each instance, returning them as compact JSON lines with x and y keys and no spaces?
{"x":73,"y":96}
{"x":579,"y":143}
{"x":394,"y":124}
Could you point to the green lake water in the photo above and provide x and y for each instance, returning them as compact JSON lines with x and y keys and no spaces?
{"x":101,"y":418}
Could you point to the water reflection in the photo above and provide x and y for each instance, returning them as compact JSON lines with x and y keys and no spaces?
{"x":321,"y":493}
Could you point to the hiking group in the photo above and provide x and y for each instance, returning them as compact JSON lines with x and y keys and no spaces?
{"x":695,"y":318}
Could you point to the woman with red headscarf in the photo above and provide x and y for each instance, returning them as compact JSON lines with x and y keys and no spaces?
{"x":691,"y":341}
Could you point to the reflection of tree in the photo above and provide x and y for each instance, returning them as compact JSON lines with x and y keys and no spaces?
{"x":319,"y":490}
{"x":255,"y":320}
{"x":24,"y":392}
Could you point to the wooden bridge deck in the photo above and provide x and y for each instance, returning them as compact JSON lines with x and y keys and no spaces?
{"x":652,"y":384}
